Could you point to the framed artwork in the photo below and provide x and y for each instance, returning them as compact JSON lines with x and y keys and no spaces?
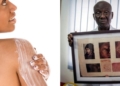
{"x":96,"y":56}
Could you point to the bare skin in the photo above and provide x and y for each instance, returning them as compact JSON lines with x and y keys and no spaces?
{"x":9,"y":64}
{"x":9,"y":73}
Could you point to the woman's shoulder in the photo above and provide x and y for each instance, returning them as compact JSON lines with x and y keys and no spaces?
{"x":21,"y":41}
{"x":12,"y":45}
{"x":9,"y":40}
{"x":13,"y":41}
{"x":14,"y":49}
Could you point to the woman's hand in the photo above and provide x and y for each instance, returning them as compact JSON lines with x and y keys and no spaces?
{"x":40,"y":64}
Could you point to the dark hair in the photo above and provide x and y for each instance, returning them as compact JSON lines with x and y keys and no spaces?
{"x":104,"y":43}
{"x":116,"y":43}
{"x":90,"y":46}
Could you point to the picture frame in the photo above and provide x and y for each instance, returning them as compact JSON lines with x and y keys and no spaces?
{"x":96,"y":57}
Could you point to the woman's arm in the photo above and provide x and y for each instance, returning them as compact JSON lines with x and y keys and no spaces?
{"x":26,"y":74}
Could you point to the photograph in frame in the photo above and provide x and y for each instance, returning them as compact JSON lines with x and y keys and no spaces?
{"x":96,"y":57}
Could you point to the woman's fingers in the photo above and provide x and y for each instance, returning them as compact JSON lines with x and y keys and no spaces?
{"x":40,"y":64}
